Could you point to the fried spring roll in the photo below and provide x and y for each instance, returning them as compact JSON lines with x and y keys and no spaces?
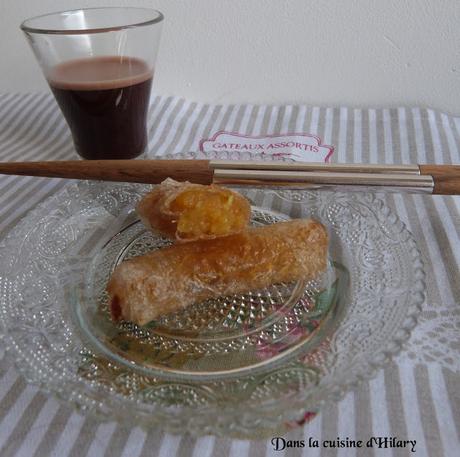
{"x":167,"y":280}
{"x":187,"y":212}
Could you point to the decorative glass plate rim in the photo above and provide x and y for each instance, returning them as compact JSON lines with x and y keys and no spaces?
{"x":296,"y":407}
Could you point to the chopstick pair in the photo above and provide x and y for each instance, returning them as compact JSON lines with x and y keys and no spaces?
{"x":431,"y":179}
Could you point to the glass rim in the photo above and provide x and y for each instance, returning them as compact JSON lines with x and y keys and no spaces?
{"x":159,"y":17}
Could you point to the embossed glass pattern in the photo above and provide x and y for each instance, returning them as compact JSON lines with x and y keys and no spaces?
{"x":318,"y":339}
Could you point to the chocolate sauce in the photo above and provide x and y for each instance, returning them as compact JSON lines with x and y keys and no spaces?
{"x":105,"y":102}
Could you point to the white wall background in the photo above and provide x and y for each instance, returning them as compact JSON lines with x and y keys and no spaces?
{"x":325,"y":52}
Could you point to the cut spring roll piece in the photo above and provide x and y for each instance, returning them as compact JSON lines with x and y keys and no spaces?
{"x":186,"y":212}
{"x":167,"y":280}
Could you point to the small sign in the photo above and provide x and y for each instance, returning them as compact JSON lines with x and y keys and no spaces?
{"x":302,"y":147}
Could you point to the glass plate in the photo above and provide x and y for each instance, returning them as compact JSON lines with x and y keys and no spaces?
{"x":241,"y":366}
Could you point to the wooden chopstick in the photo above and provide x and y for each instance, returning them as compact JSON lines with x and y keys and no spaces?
{"x":141,"y":171}
{"x":446,"y":178}
{"x":436,"y":179}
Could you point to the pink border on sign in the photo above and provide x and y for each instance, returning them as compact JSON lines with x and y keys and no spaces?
{"x":276,"y":135}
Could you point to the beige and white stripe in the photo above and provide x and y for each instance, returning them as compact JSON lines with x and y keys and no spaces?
{"x":407,"y":400}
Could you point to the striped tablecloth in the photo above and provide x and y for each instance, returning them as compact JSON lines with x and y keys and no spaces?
{"x":417,"y":397}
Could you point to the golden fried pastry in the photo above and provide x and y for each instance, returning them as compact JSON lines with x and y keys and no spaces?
{"x":187,"y":212}
{"x":167,"y":280}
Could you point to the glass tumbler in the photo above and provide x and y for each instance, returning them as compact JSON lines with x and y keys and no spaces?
{"x":99,"y":63}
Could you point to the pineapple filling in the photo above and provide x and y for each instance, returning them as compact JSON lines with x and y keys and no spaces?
{"x":203,"y":212}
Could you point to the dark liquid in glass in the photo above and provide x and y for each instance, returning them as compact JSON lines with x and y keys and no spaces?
{"x":105,"y":102}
